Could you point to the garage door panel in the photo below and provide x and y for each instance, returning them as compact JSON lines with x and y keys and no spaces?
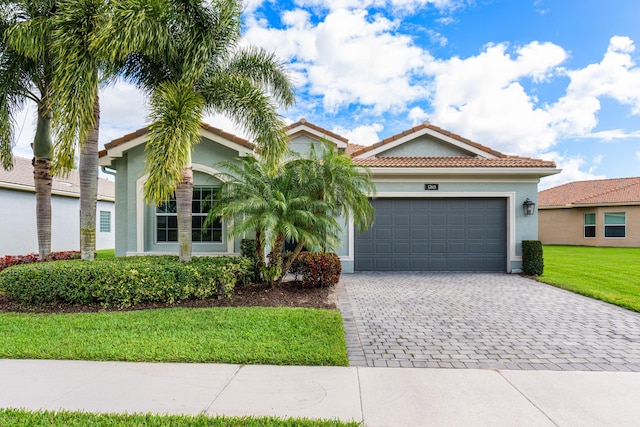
{"x":402,"y":233}
{"x":402,"y":248}
{"x":420,"y":234}
{"x":436,"y":235}
{"x":436,"y":220}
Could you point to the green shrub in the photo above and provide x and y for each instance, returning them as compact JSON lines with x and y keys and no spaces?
{"x":123,"y":282}
{"x":532,"y":258}
{"x":316,"y":269}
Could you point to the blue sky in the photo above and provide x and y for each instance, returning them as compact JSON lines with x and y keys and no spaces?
{"x":557,"y":80}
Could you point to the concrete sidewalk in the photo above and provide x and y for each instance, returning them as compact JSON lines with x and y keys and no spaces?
{"x":377,"y":396}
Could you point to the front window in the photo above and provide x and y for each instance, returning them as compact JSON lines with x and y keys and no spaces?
{"x":167,"y":219}
{"x":615,"y":225}
{"x":590,"y":225}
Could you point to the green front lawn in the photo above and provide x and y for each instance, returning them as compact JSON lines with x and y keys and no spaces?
{"x":10,"y":418}
{"x":105,"y":253}
{"x":257,"y":335}
{"x":607,"y":274}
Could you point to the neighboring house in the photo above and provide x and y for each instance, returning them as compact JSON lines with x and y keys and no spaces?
{"x":443,"y":203}
{"x":18,"y":231}
{"x":603,"y":212}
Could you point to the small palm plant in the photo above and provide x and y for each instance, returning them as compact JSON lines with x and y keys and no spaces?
{"x":300,"y":204}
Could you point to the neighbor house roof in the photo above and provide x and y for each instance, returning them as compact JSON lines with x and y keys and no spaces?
{"x":21,"y":178}
{"x":423,"y":128}
{"x":596,"y":192}
{"x":452,"y":162}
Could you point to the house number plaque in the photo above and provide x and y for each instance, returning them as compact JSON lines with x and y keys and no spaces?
{"x":431,"y":187}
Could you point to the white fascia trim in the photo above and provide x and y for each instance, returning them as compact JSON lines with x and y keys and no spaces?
{"x":431,"y":132}
{"x":321,"y":135}
{"x":511,"y":213}
{"x":523,"y":179}
{"x":140,"y":207}
{"x":600,"y":205}
{"x":119,"y":150}
{"x":31,"y":189}
{"x":540,"y":172}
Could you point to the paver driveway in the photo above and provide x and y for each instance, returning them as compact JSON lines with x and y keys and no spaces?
{"x":480,"y":320}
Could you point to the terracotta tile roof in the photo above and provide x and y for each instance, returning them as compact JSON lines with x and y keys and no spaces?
{"x":140,"y":132}
{"x":304,"y":122}
{"x":453,"y":162}
{"x":22,"y":176}
{"x":427,"y":125}
{"x":351,"y":148}
{"x":596,"y":192}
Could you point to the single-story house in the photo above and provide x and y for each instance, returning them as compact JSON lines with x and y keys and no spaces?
{"x":603,"y":212}
{"x":18,"y":229}
{"x":443,"y":202}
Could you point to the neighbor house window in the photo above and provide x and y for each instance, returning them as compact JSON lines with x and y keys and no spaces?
{"x":167,"y":219}
{"x":615,"y":225}
{"x":590,"y":225}
{"x":105,"y":222}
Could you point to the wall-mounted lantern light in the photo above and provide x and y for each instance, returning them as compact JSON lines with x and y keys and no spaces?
{"x":528,"y":206}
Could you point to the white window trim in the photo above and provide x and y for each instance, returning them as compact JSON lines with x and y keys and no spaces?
{"x":584,"y":226}
{"x":155,"y":225}
{"x":604,"y":224}
{"x":511,"y":217}
{"x":140,"y":207}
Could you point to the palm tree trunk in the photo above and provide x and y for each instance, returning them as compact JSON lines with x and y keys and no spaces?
{"x":42,"y":179}
{"x":89,"y":187}
{"x":292,"y":258}
{"x":184,"y":199}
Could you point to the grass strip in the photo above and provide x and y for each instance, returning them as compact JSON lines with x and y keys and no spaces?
{"x":12,"y":417}
{"x":105,"y":253}
{"x":251,"y":335}
{"x":607,"y":274}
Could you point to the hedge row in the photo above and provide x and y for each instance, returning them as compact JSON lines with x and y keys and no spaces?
{"x":124,"y":282}
{"x":11,"y":260}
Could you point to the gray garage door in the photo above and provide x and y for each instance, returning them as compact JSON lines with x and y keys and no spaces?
{"x":435,"y":235}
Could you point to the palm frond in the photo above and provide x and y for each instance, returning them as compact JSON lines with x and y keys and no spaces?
{"x":176,"y":111}
{"x":75,"y":79}
{"x":253,"y":110}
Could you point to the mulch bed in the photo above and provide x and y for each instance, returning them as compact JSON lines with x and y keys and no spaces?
{"x":260,"y":295}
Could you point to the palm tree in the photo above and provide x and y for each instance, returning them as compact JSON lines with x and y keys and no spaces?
{"x":75,"y":93}
{"x":300,"y":204}
{"x":186,"y":55}
{"x":344,"y":188}
{"x":26,"y":68}
{"x":276,"y":208}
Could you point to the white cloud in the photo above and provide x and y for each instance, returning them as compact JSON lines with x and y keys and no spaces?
{"x":348,"y":58}
{"x":482,"y":98}
{"x":616,"y":77}
{"x":123,"y":110}
{"x":572,"y":170}
{"x":361,"y":135}
{"x":611,"y":135}
{"x":402,"y":6}
{"x":638,"y":154}
{"x":417,"y":115}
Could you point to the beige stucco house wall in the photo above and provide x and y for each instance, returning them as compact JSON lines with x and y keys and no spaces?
{"x":565,"y":226}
